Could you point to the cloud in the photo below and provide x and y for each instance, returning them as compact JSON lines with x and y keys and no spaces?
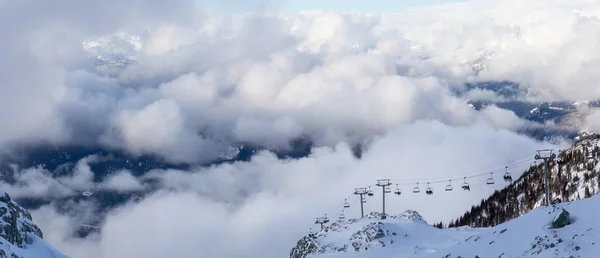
{"x":122,"y":181}
{"x":197,"y":85}
{"x":260,"y":208}
{"x":197,"y":89}
{"x":592,"y":120}
{"x":35,"y":183}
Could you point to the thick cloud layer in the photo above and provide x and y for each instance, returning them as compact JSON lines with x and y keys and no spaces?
{"x":262,"y":207}
{"x":198,"y":85}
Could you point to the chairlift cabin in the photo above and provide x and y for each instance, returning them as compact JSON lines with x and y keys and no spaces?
{"x":429,"y":190}
{"x":342,"y":216}
{"x":397,"y":192}
{"x":490,"y":181}
{"x":325,"y":219}
{"x":465,"y":186}
{"x":346,"y":204}
{"x":416,"y":189}
{"x":370,"y":192}
{"x":507,"y":177}
{"x":449,"y":186}
{"x":387,"y":189}
{"x":364,"y":200}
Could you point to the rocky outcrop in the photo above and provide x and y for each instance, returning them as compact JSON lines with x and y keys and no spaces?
{"x":16,"y":225}
{"x":359,"y":235}
{"x":562,"y":219}
{"x":304,"y":247}
{"x":412,"y":216}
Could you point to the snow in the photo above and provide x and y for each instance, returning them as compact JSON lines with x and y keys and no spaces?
{"x":37,"y":249}
{"x":533,"y":110}
{"x":527,"y":236}
{"x":33,"y":246}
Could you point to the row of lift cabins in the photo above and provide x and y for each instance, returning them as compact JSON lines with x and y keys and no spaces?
{"x":429,"y":191}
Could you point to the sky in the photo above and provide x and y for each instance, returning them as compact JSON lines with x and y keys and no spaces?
{"x":360,"y":6}
{"x":327,"y":5}
{"x":200,"y":84}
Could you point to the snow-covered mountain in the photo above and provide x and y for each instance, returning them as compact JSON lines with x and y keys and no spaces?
{"x":19,"y":236}
{"x":112,"y":53}
{"x":510,"y":223}
{"x":573,"y":176}
{"x":543,"y":232}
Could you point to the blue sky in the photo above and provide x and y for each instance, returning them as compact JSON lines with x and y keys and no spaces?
{"x":339,"y":5}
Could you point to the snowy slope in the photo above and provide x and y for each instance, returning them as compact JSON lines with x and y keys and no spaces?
{"x":398,"y":236}
{"x":574,"y":175}
{"x":19,"y":237}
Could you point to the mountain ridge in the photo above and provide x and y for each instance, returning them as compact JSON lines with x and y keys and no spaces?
{"x":19,"y":236}
{"x":543,"y":232}
{"x":574,"y":174}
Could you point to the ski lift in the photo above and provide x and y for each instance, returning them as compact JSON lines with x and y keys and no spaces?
{"x":465,"y":186}
{"x":416,"y":189}
{"x":323,"y":220}
{"x":370,"y":192}
{"x":387,"y":189}
{"x":449,"y":186}
{"x":490,"y":181}
{"x":346,"y":204}
{"x":428,"y":190}
{"x":397,"y":192}
{"x":310,"y":233}
{"x":342,"y":217}
{"x":507,"y":177}
{"x":364,"y":201}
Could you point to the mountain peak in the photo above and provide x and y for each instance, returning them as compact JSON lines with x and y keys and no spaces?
{"x":356,"y":235}
{"x":19,"y":236}
{"x":412,"y":216}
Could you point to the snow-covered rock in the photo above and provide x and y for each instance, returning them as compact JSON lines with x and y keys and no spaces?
{"x":19,"y":236}
{"x":530,"y":235}
{"x":561,"y":219}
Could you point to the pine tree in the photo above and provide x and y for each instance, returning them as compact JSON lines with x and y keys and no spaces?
{"x":587,"y":192}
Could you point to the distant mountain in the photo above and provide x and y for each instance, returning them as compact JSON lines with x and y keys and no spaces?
{"x":562,"y":119}
{"x":19,"y":236}
{"x":61,"y":160}
{"x":543,"y":232}
{"x":114,"y":52}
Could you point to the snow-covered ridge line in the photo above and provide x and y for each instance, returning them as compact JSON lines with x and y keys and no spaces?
{"x":536,"y":234}
{"x":574,"y":175}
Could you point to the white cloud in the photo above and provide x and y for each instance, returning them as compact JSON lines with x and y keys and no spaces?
{"x":205,"y":82}
{"x":35,"y":183}
{"x":260,"y":208}
{"x":122,"y":181}
{"x":592,"y":120}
